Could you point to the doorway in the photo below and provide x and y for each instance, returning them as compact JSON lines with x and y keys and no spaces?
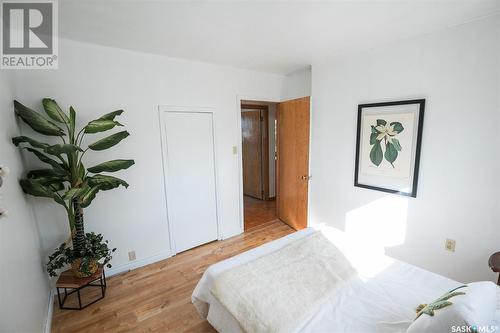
{"x":275,"y":159}
{"x":258,"y":157}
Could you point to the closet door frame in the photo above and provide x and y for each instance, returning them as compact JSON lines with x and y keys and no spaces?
{"x":162,"y":111}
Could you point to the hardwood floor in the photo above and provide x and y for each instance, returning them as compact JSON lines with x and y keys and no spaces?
{"x":157,"y":298}
{"x":257,"y":212}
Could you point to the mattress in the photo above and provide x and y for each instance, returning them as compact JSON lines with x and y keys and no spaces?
{"x":381,"y":298}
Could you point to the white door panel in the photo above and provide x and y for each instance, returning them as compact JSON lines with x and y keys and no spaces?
{"x":190,"y":173}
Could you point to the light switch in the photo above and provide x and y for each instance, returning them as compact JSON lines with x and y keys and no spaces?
{"x":235,"y":150}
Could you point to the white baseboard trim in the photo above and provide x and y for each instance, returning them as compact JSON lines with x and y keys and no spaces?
{"x":138,"y":263}
{"x":50,"y":310}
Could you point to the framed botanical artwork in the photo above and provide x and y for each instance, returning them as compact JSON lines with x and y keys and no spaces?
{"x":388,"y":145}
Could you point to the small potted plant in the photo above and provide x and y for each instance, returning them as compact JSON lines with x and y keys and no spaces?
{"x":68,"y":182}
{"x":96,"y":252}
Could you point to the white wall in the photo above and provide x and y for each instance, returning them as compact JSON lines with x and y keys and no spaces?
{"x":24,"y":289}
{"x":458,"y":194}
{"x":297,"y":84}
{"x":96,"y":80}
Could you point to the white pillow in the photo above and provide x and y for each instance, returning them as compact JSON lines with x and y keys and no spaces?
{"x":476,"y":308}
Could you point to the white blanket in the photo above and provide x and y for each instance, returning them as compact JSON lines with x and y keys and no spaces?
{"x":293,"y":281}
{"x":385,"y":292}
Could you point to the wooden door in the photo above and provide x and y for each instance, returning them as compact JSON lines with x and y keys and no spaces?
{"x":293,"y":161}
{"x":252,"y":153}
{"x":190,"y":178}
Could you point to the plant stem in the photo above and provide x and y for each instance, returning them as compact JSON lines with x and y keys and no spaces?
{"x":81,"y":156}
{"x":78,"y":137}
{"x":79,"y":235}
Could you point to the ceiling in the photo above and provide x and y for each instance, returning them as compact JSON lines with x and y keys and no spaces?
{"x":271,"y":36}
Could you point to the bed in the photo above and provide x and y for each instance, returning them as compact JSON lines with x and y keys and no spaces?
{"x":381,"y":297}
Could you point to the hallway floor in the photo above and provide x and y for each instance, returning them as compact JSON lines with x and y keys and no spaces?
{"x":258,"y":211}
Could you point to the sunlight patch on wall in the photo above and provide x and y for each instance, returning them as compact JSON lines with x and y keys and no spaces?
{"x":369,"y":229}
{"x":381,"y":223}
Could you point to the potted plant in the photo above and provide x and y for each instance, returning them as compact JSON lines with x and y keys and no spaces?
{"x":68,"y":182}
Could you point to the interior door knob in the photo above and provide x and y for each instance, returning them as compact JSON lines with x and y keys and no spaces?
{"x":305,"y":177}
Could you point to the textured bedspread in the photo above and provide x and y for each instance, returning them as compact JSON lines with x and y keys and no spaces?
{"x":293,"y":282}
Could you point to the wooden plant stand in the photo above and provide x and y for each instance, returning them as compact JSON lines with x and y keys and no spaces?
{"x":68,"y":281}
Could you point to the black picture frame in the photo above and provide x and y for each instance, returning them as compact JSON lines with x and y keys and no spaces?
{"x":421,"y":111}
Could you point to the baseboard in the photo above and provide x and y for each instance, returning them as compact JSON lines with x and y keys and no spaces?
{"x":50,"y":310}
{"x":138,"y":263}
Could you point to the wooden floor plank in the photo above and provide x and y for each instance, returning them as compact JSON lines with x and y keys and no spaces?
{"x":157,"y":297}
{"x":257,"y":212}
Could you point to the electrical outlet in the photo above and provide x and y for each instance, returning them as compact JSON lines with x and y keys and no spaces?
{"x":131,"y":256}
{"x":449,"y":245}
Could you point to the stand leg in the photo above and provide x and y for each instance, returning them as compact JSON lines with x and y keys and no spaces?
{"x":59,"y":298}
{"x":79,"y":298}
{"x":102,"y":286}
{"x":105,"y":285}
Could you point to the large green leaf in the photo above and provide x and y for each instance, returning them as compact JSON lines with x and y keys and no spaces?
{"x":111,"y":166}
{"x":74,"y":192}
{"x":47,"y":173}
{"x":36,"y":189}
{"x":56,"y":186}
{"x":54,"y":111}
{"x":111,"y":115}
{"x":376,"y":154}
{"x":77,"y":192}
{"x":36,"y":121}
{"x":87,"y":197}
{"x":33,"y":187}
{"x":109,"y":141}
{"x":81,"y":171}
{"x":373,"y":138}
{"x":391,"y":154}
{"x":97,"y":183}
{"x":72,"y":121}
{"x":24,"y":139}
{"x":106,"y":182}
{"x":100,"y":125}
{"x":381,"y":122}
{"x":49,"y":180}
{"x":62,"y":149}
{"x":44,"y":158}
{"x":70,"y":193}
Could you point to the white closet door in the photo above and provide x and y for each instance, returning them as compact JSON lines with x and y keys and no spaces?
{"x":191,"y":191}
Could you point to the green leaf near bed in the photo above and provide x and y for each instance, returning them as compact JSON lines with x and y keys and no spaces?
{"x":440,"y":303}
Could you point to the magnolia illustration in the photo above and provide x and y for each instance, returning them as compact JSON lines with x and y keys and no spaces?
{"x":385,"y":134}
